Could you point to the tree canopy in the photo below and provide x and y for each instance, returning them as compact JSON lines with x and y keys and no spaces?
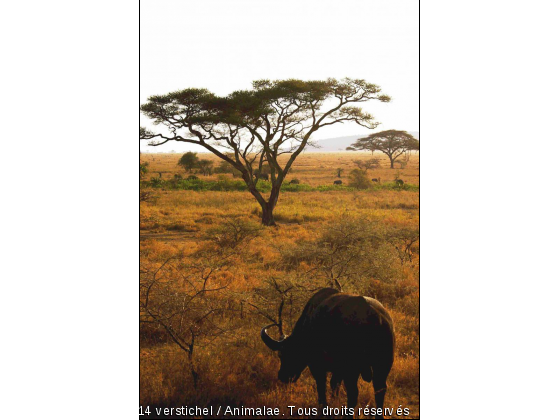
{"x":251,"y":128}
{"x":188,"y":161}
{"x":393,"y":143}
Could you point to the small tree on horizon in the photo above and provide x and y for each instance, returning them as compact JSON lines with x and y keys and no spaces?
{"x":364,"y":165}
{"x":188,"y":161}
{"x":392,"y":143}
{"x":205,"y":166}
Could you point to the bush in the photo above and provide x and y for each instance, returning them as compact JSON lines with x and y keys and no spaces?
{"x":296,"y":187}
{"x":143,"y":169}
{"x":347,"y":253}
{"x":233,"y":232}
{"x":359,"y":179}
{"x":157,"y":182}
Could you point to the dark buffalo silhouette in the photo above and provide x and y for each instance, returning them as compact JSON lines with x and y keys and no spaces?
{"x":337,"y":182}
{"x":376,"y":180}
{"x":344,"y":334}
{"x":399,"y":182}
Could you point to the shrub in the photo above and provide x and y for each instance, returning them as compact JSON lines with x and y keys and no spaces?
{"x":233,"y":232}
{"x":156,"y":182}
{"x":143,"y":169}
{"x":296,"y":187}
{"x":359,"y":179}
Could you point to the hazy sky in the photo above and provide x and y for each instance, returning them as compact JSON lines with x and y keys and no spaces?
{"x":224,"y":45}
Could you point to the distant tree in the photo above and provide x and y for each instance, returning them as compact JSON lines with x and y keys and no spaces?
{"x":393,"y":143}
{"x":364,"y":165}
{"x":259,"y":125}
{"x":205,"y":166}
{"x":224,"y":168}
{"x":339,"y":172}
{"x":188,"y":161}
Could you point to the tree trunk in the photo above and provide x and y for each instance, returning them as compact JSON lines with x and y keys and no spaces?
{"x":268,"y":208}
{"x":267,"y":216}
{"x":392,"y":162}
{"x":194,"y":373}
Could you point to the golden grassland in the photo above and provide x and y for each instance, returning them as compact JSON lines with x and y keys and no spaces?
{"x":237,"y":369}
{"x":310,"y":168}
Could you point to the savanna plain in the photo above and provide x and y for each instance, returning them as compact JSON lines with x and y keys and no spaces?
{"x":211,"y":277}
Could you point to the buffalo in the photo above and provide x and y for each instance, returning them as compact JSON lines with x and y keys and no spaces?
{"x":347,"y":335}
{"x":337,"y":182}
{"x":399,"y":182}
{"x":378,"y":180}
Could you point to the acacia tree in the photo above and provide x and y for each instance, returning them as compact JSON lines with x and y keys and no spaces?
{"x":205,"y":166}
{"x":185,"y":297}
{"x":372,"y":163}
{"x":251,"y":128}
{"x":393,"y":143}
{"x":188,"y":161}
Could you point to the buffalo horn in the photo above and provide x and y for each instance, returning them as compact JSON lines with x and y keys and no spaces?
{"x":268,"y":340}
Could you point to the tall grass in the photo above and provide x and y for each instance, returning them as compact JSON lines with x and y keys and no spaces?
{"x":236,"y":368}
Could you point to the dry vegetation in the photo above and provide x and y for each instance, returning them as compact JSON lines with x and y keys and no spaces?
{"x":215,"y":277}
{"x":310,"y":168}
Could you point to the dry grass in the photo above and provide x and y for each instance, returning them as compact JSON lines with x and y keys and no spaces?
{"x":236,"y":368}
{"x":310,"y":168}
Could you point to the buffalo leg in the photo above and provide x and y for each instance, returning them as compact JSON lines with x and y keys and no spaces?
{"x":380,"y":374}
{"x":380,"y":390}
{"x":321,"y":379}
{"x":351,"y":385}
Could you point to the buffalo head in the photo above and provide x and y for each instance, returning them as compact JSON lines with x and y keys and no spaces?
{"x":292,"y":361}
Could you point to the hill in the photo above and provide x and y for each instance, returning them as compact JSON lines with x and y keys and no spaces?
{"x":338,"y":144}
